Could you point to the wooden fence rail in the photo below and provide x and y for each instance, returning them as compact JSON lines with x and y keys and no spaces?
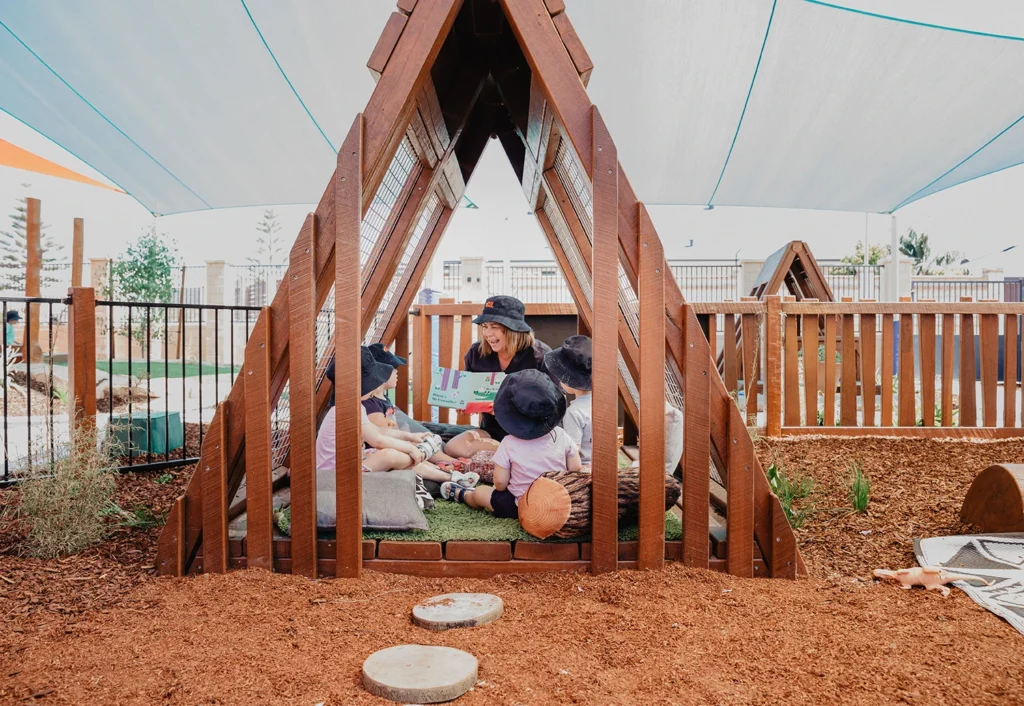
{"x":903,"y":368}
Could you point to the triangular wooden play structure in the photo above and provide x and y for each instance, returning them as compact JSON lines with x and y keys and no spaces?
{"x":794,"y":267}
{"x":451,"y":75}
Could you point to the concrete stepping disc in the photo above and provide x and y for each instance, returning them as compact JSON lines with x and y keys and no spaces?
{"x":419,"y":674}
{"x":457,"y":610}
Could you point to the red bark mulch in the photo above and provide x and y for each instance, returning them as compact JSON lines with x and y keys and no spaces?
{"x":99,"y":628}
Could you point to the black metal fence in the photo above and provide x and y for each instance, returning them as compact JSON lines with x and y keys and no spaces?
{"x":34,"y":389}
{"x":166,"y":366}
{"x":954,"y":290}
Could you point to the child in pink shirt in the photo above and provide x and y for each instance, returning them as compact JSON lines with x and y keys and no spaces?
{"x":529,"y":407}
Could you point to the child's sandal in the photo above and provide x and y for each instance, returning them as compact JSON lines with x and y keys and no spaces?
{"x":453,"y":492}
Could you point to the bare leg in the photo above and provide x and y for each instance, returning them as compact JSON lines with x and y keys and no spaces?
{"x":479,"y":498}
{"x":428,"y":471}
{"x":469,"y":442}
{"x":441,"y":457}
{"x":387,"y":460}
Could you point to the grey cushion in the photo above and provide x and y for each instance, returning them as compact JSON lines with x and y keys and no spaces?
{"x":389,"y":503}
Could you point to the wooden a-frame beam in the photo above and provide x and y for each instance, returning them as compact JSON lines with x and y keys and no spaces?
{"x":387,"y":114}
{"x":583,"y":310}
{"x":544,"y":51}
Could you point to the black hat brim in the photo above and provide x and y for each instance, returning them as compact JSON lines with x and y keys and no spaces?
{"x":575,"y":378}
{"x":374,"y":376}
{"x":383,"y":355}
{"x":508,"y":322}
{"x":519,"y":425}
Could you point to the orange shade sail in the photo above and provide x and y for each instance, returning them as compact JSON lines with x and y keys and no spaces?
{"x":17,"y":158}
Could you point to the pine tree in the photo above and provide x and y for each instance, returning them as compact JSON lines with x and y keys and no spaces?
{"x":14,"y":251}
{"x":268,"y":245}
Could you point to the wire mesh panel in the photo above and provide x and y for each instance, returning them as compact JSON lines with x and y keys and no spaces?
{"x":385,"y":199}
{"x":400,"y":171}
{"x":573,"y":179}
{"x":423,"y":225}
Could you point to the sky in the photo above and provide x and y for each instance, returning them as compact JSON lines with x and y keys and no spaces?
{"x":977,"y":218}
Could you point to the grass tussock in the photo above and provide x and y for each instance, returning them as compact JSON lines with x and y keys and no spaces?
{"x":63,"y":496}
{"x":860,"y":488}
{"x":790,"y":489}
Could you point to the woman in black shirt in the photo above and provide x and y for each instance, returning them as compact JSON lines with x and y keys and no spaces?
{"x":507,"y":346}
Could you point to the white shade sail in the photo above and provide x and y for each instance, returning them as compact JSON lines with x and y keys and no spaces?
{"x":777,"y":103}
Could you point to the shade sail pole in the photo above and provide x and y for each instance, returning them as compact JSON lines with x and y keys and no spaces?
{"x":895,"y":259}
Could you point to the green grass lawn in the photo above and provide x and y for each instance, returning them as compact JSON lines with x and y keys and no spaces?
{"x":160,"y":368}
{"x":455,"y":521}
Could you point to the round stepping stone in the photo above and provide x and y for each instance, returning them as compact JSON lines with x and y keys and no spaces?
{"x":457,"y":610}
{"x":419,"y":674}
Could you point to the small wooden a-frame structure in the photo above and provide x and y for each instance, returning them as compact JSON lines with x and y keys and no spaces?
{"x":452,"y":74}
{"x":794,"y":267}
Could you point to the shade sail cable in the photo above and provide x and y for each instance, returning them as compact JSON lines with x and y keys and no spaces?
{"x":286,"y":79}
{"x":959,"y":164}
{"x":100,"y":113}
{"x":746,"y":102}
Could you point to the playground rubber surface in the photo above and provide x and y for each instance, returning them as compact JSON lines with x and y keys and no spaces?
{"x":101,"y":628}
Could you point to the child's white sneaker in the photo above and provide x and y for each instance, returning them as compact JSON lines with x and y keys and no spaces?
{"x":469,"y":479}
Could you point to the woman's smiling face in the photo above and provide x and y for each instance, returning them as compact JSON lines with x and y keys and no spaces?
{"x":495,"y":335}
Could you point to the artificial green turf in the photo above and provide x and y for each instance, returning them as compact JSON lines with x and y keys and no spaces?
{"x":455,"y":521}
{"x":159,"y":368}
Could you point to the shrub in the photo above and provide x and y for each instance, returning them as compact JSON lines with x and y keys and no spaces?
{"x":860,"y":488}
{"x":789,"y":489}
{"x":62,"y":499}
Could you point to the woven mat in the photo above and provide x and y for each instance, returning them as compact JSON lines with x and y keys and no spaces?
{"x":997,"y":558}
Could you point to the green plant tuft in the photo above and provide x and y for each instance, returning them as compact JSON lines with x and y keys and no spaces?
{"x":163,"y":478}
{"x":860,"y":488}
{"x":790,"y":489}
{"x":63,"y":496}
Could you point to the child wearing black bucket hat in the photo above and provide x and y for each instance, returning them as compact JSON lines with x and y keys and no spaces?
{"x":571,"y":364}
{"x":384,"y":449}
{"x":529,"y":407}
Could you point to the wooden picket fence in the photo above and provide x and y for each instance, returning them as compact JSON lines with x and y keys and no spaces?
{"x":896,"y":368}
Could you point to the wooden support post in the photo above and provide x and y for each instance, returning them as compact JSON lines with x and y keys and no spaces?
{"x":77,"y":252}
{"x":773,"y":367}
{"x":739,"y":515}
{"x":968,"y":378}
{"x":1010,"y":371}
{"x":928,"y":358}
{"x":696,"y":441}
{"x":867,"y":372}
{"x":730,"y":364}
{"x":422,"y":345}
{"x":888,"y":355}
{"x":348,"y":465}
{"x":651,"y":553}
{"x":178,"y":517}
{"x":989,"y":348}
{"x":907,"y":397}
{"x":445,"y":343}
{"x":948,"y":346}
{"x":402,"y":351}
{"x":848,"y":379}
{"x":258,"y":451}
{"x":214,"y":473}
{"x":33,"y":270}
{"x":302,"y":313}
{"x":792,"y":391}
{"x":465,"y":341}
{"x":82,"y":358}
{"x":830,"y":370}
{"x":783,"y":559}
{"x":604,"y":486}
{"x":750,"y":338}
